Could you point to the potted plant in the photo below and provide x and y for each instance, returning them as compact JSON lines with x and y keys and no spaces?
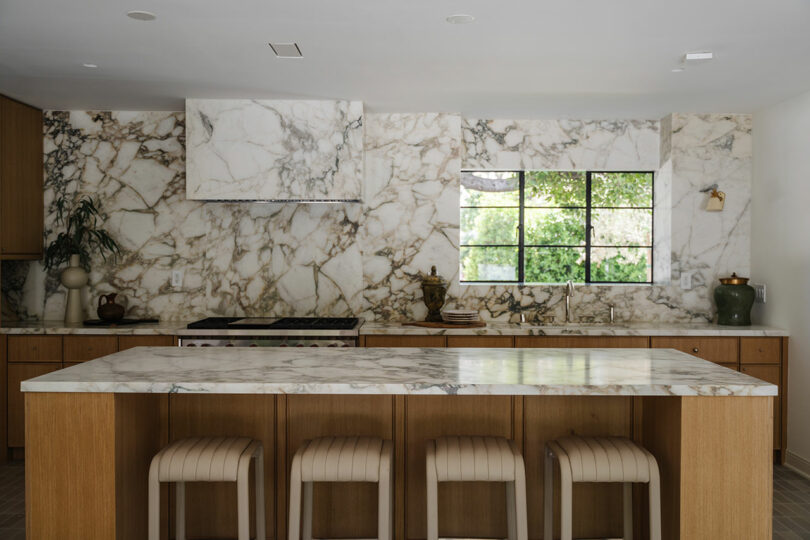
{"x":81,"y":237}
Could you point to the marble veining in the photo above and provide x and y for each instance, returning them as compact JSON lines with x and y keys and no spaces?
{"x":274,"y":150}
{"x":581,"y":372}
{"x":368,"y":259}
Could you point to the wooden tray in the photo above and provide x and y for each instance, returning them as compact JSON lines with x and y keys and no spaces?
{"x":423,"y":324}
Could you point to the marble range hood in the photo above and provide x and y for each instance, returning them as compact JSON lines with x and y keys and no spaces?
{"x":271,"y":150}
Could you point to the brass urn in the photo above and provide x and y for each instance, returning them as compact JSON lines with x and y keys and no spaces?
{"x":434,"y":290}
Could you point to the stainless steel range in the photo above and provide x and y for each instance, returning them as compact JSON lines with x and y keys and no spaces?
{"x":265,"y":332}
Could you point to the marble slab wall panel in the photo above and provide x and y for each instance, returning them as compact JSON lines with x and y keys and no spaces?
{"x":274,"y":150}
{"x":238,"y":259}
{"x":708,"y":149}
{"x":411,"y":216}
{"x":561,"y":144}
{"x":368,"y":259}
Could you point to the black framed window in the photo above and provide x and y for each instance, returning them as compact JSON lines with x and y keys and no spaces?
{"x":552,"y":226}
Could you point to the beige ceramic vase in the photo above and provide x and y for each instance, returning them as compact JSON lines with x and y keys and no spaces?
{"x":74,"y":277}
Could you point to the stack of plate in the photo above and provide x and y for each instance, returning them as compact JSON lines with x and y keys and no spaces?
{"x":459,"y":316}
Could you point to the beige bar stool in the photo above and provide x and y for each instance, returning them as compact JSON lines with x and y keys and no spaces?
{"x":208,"y":459}
{"x":341,"y":459}
{"x":477,"y":459}
{"x":600,"y":459}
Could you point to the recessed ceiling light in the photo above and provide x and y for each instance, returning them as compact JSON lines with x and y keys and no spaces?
{"x":678,"y":69}
{"x":141,"y":15}
{"x":90,"y":66}
{"x":703,"y":55}
{"x":460,"y":18}
{"x":286,"y":50}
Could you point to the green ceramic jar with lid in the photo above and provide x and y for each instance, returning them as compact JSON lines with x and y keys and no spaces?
{"x":734,"y":298}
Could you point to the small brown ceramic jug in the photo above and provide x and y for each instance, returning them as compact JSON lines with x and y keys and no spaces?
{"x":108,"y":310}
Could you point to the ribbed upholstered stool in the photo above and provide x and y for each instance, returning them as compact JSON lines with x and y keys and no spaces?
{"x":208,"y":459}
{"x":342,"y":459}
{"x":600,"y":459}
{"x":477,"y":459}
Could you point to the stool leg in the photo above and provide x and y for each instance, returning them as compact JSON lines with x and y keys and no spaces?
{"x":384,"y":487}
{"x":432,"y":493}
{"x":294,"y":523}
{"x":259,"y":470}
{"x":655,"y":500}
{"x":548,"y":496}
{"x":154,"y":502}
{"x":521,"y":512}
{"x":243,"y":504}
{"x":627,"y":506}
{"x":511,"y":518}
{"x":180,"y":512}
{"x":306,"y":527}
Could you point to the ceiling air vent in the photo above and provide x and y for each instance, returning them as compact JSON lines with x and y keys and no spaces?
{"x":286,"y":50}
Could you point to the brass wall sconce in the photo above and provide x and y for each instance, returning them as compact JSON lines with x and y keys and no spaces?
{"x":716,"y":198}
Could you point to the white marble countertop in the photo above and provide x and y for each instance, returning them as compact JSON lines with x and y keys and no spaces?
{"x":174,"y":328}
{"x":590,"y":372}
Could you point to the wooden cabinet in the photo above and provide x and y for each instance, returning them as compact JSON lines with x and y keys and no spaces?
{"x":773,"y":375}
{"x":720,"y":350}
{"x":46,"y":349}
{"x":21,"y":193}
{"x":480,"y":341}
{"x":405,"y":341}
{"x":84,"y":348}
{"x":16,"y":404}
{"x":128,"y":342}
{"x":599,"y":342}
{"x":760,"y":350}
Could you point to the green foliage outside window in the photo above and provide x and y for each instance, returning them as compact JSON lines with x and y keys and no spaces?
{"x":555,"y":217}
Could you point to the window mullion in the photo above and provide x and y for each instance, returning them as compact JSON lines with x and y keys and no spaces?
{"x":521,"y":228}
{"x":588,"y":227}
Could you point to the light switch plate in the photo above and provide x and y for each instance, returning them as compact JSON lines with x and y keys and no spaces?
{"x":686,"y":281}
{"x":177,"y":279}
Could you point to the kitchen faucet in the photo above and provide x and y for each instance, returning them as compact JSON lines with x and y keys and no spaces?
{"x":569,"y":294}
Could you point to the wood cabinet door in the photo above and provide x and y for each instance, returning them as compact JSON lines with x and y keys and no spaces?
{"x":16,"y":402}
{"x":720,"y":350}
{"x":480,"y":341}
{"x":21,"y":193}
{"x":760,"y":350}
{"x":84,"y":348}
{"x":579,"y":342}
{"x":405,"y":341}
{"x":128,"y":342}
{"x":29,"y":349}
{"x":773,"y":375}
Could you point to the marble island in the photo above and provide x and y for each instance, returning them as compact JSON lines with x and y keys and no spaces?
{"x":551,"y":372}
{"x":93,"y":429}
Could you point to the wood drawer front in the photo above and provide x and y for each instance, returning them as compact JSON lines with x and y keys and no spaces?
{"x":597,"y":342}
{"x":34,"y":349}
{"x":405,"y":341}
{"x":16,"y":399}
{"x":721,"y":350}
{"x":128,"y":342}
{"x":771,"y":374}
{"x":83,"y":348}
{"x":480,"y":341}
{"x":760,"y":350}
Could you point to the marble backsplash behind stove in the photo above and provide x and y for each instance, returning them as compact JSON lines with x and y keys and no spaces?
{"x":367,"y":259}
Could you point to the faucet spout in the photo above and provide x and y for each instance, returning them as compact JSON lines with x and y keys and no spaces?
{"x":569,"y":293}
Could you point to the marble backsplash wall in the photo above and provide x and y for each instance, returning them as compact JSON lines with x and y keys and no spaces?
{"x":366,"y":259}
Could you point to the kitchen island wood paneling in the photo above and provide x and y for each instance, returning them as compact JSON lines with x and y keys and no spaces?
{"x":410,"y":395}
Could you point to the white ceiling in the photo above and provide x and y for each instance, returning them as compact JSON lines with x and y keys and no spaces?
{"x":520,"y":58}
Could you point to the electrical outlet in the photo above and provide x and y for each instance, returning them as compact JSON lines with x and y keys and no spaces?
{"x":686,"y":281}
{"x":177,"y":279}
{"x":759,"y":293}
